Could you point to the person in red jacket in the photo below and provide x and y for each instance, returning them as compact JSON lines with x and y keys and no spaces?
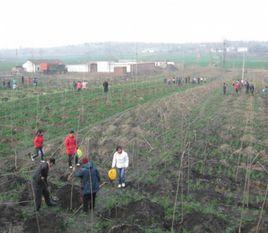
{"x":71,"y":147}
{"x":78,"y":86}
{"x":237,"y":87}
{"x":38,"y":145}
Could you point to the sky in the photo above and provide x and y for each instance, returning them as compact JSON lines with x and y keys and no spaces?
{"x":49,"y":23}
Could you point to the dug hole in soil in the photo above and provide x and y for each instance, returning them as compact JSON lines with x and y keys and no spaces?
{"x":64,"y":195}
{"x":252,"y":227}
{"x":48,"y":223}
{"x":125,"y":228}
{"x":9,"y":214}
{"x":198,"y":222}
{"x":142,"y":212}
{"x":10,"y":182}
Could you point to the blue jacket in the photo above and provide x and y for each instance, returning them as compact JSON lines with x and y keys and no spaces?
{"x":90,"y":178}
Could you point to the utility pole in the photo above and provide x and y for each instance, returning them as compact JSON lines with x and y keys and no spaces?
{"x":224,"y":53}
{"x":243,"y":67}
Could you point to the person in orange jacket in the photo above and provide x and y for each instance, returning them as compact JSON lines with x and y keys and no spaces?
{"x":71,"y":148}
{"x":38,"y":145}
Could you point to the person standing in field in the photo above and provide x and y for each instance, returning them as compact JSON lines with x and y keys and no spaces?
{"x":38,"y":145}
{"x":121,"y":162}
{"x":14,"y":84}
{"x":9,"y":84}
{"x":251,"y":88}
{"x":90,"y":180}
{"x":84,"y":85}
{"x":35,"y":81}
{"x":105,"y":86}
{"x":224,"y":88}
{"x":247,"y":87}
{"x":40,"y":184}
{"x":78,"y":86}
{"x":22,"y":80}
{"x":74,"y":85}
{"x":237,"y":87}
{"x":71,"y":147}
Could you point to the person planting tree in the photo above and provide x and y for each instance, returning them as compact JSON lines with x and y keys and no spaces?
{"x":40,"y":184}
{"x":90,"y":180}
{"x":38,"y":144}
{"x":121,"y":162}
{"x":71,"y":147}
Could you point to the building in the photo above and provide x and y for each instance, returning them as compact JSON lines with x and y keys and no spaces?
{"x":17,"y":70}
{"x":44,"y":66}
{"x":143,"y":68}
{"x":120,"y":71}
{"x":118,"y":68}
{"x":105,"y":66}
{"x":126,"y":64}
{"x":78,"y":68}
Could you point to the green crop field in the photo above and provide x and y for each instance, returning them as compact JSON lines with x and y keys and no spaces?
{"x":198,"y":158}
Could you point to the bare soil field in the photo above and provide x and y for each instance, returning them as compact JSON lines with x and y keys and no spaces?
{"x":198,"y":158}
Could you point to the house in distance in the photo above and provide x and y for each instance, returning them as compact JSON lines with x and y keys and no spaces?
{"x":44,"y":66}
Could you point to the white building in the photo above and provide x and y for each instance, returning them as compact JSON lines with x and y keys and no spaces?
{"x":171,"y":63}
{"x":78,"y":68}
{"x":100,"y":66}
{"x":105,"y":66}
{"x":164,"y":64}
{"x":30,"y":66}
{"x":242,"y":49}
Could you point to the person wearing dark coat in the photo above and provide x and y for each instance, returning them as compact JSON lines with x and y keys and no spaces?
{"x":251,"y":88}
{"x":106,"y":86}
{"x":8,"y":84}
{"x":247,"y":87}
{"x":40,"y":184}
{"x":90,"y":183}
{"x":224,"y":88}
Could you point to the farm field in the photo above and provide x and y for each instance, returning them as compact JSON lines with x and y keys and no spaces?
{"x":198,"y":159}
{"x":189,"y":59}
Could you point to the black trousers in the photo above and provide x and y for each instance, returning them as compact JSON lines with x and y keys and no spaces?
{"x":40,"y":189}
{"x":70,"y":159}
{"x":37,"y":150}
{"x":89,"y":199}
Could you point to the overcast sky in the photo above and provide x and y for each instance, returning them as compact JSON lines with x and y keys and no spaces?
{"x":44,"y":23}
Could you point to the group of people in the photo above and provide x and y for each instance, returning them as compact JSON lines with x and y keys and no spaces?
{"x":84,"y":169}
{"x":8,"y":84}
{"x":12,"y":84}
{"x":180,"y":80}
{"x":78,"y":86}
{"x":238,"y":85}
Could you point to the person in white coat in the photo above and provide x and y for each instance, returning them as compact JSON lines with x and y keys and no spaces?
{"x":121,"y":162}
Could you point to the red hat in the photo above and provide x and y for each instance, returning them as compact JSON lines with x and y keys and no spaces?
{"x":85,"y":160}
